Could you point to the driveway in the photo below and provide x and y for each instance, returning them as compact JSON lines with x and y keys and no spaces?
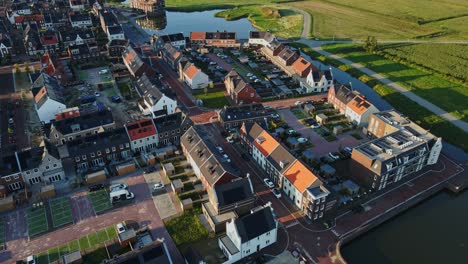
{"x":219,"y":61}
{"x":321,"y":146}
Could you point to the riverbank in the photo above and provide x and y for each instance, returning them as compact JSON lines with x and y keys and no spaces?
{"x":454,"y":183}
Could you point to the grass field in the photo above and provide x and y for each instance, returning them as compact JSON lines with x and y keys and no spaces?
{"x":100,"y":201}
{"x":450,"y":96}
{"x":81,"y":244}
{"x":61,"y":211}
{"x":284,"y":23}
{"x":415,"y":112}
{"x":187,"y":228}
{"x":213,"y":99}
{"x":37,"y":221}
{"x":193,"y":5}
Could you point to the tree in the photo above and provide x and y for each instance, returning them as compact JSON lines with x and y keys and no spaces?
{"x":370,"y":45}
{"x":27,"y":68}
{"x":205,"y":90}
{"x":17,"y":68}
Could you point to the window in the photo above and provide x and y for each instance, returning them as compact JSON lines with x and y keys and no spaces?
{"x":15,"y":186}
{"x":77,"y":159}
{"x":56,"y":135}
{"x":47,"y":167}
{"x":28,"y":172}
{"x":113,"y":149}
{"x":121,"y":146}
{"x":83,"y":157}
{"x":127,"y":145}
{"x":92,"y":155}
{"x":99,"y":153}
{"x":107,"y":151}
{"x":55,"y":165}
{"x":36,"y":170}
{"x":7,"y":178}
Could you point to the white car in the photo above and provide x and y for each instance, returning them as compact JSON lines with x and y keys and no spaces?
{"x":230,"y":140}
{"x":269,"y":183}
{"x":220,"y":149}
{"x":257,"y":80}
{"x":334,"y":155}
{"x":302,"y":140}
{"x":213,"y":63}
{"x":120,"y":228}
{"x":298,"y":103}
{"x":30,"y":260}
{"x":226,"y":157}
{"x":276,"y":192}
{"x":315,"y":126}
{"x":249,"y":74}
{"x":103,"y":71}
{"x":118,"y":186}
{"x":291,"y":132}
{"x":97,"y":94}
{"x":275,"y":116}
{"x":158,"y":186}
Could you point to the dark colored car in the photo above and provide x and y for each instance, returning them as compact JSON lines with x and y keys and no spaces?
{"x":95,"y":187}
{"x":149,"y":170}
{"x":357,"y":209}
{"x":245,"y":157}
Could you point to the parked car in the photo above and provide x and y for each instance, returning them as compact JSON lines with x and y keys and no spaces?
{"x":269,"y":183}
{"x":31,"y":260}
{"x":334,"y":155}
{"x":249,"y":74}
{"x":213,"y":63}
{"x":226,"y":157}
{"x":120,"y":228}
{"x":230,"y":140}
{"x":348,"y":149}
{"x":220,"y":149}
{"x":276,"y":192}
{"x":149,"y":170}
{"x":116,"y":99}
{"x":245,"y":157}
{"x":158,"y":186}
{"x":297,"y":103}
{"x":275,"y":115}
{"x":97,"y":94}
{"x":291,"y":132}
{"x":103,"y":71}
{"x":316,"y":125}
{"x":302,"y":140}
{"x":95,"y":187}
{"x":118,"y":186}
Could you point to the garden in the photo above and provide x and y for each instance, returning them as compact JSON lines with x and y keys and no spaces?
{"x":187,"y":228}
{"x":214,"y":99}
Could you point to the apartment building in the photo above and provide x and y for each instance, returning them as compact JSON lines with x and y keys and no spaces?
{"x":233,"y":116}
{"x":240,"y":91}
{"x":214,"y":39}
{"x":143,"y":135}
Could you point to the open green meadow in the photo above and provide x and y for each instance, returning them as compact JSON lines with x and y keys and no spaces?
{"x":194,"y":5}
{"x":450,"y":96}
{"x":212,"y":99}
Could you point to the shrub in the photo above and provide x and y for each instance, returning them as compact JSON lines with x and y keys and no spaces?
{"x":186,"y":228}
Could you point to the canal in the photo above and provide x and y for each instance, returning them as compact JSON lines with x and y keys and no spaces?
{"x":433,"y":232}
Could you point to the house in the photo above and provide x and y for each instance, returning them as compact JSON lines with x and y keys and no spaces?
{"x":194,"y":77}
{"x":35,"y":20}
{"x":135,"y":64}
{"x":54,"y":68}
{"x":176,"y":40}
{"x":287,"y":56}
{"x":387,"y":160}
{"x":80,"y":20}
{"x":155,"y":252}
{"x":214,"y":39}
{"x":151,"y":8}
{"x":49,"y":42}
{"x":77,"y":37}
{"x":249,"y":234}
{"x":143,"y":135}
{"x":21,"y":8}
{"x":297,"y":181}
{"x":359,"y":110}
{"x":5,"y":41}
{"x":240,"y":91}
{"x":83,"y":53}
{"x":97,"y":150}
{"x":302,"y":67}
{"x":76,"y":5}
{"x":171,"y":127}
{"x":107,"y":19}
{"x":10,"y":174}
{"x":115,"y":32}
{"x":32,"y":42}
{"x":154,"y":101}
{"x":233,"y":116}
{"x":340,"y":96}
{"x":64,"y":128}
{"x":41,"y":165}
{"x":55,"y":21}
{"x":171,"y":55}
{"x":318,"y":81}
{"x":116,"y":47}
{"x":48,"y":100}
{"x":262,"y":38}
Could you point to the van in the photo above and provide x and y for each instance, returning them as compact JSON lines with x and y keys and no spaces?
{"x":121,"y":194}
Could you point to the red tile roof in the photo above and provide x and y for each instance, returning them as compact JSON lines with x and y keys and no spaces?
{"x":300,"y":176}
{"x":197,"y":35}
{"x":302,"y":66}
{"x":192,"y":71}
{"x":49,"y":40}
{"x":40,"y":94}
{"x":50,"y":69}
{"x":141,"y":129}
{"x":266,"y":143}
{"x":359,"y":104}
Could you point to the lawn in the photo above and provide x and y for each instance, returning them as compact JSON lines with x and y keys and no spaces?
{"x":282,"y":22}
{"x":81,"y":244}
{"x":22,"y":81}
{"x":417,"y":113}
{"x":299,"y":114}
{"x":100,"y":201}
{"x":450,"y":96}
{"x":61,"y":211}
{"x":213,"y":99}
{"x":37,"y":221}
{"x":187,"y":228}
{"x":192,"y":5}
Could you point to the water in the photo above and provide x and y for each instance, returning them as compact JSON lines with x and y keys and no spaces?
{"x":433,"y":232}
{"x":196,"y":21}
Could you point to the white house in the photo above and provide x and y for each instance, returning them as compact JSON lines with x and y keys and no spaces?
{"x":5,"y":47}
{"x":317,"y":81}
{"x":359,"y":110}
{"x":249,"y":234}
{"x":40,"y":165}
{"x":77,"y":5}
{"x":194,"y":77}
{"x":81,"y":20}
{"x":262,"y":38}
{"x":143,"y":135}
{"x":115,"y":32}
{"x":154,"y":101}
{"x":48,"y":98}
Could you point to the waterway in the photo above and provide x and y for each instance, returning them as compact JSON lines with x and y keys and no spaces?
{"x":186,"y":22}
{"x":433,"y":232}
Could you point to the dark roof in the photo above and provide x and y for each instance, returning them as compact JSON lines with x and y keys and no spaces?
{"x":113,"y":30}
{"x":172,"y":37}
{"x":8,"y":165}
{"x":234,"y":192}
{"x":135,"y":63}
{"x":281,"y":158}
{"x":118,"y":42}
{"x":170,"y":122}
{"x":83,"y":122}
{"x":53,"y":88}
{"x":155,"y":253}
{"x":82,"y":49}
{"x":98,"y":141}
{"x":84,"y":34}
{"x":109,"y":18}
{"x":79,"y":17}
{"x":230,"y":113}
{"x":31,"y":158}
{"x":255,"y":224}
{"x":344,"y":94}
{"x":220,"y":35}
{"x":152,"y":89}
